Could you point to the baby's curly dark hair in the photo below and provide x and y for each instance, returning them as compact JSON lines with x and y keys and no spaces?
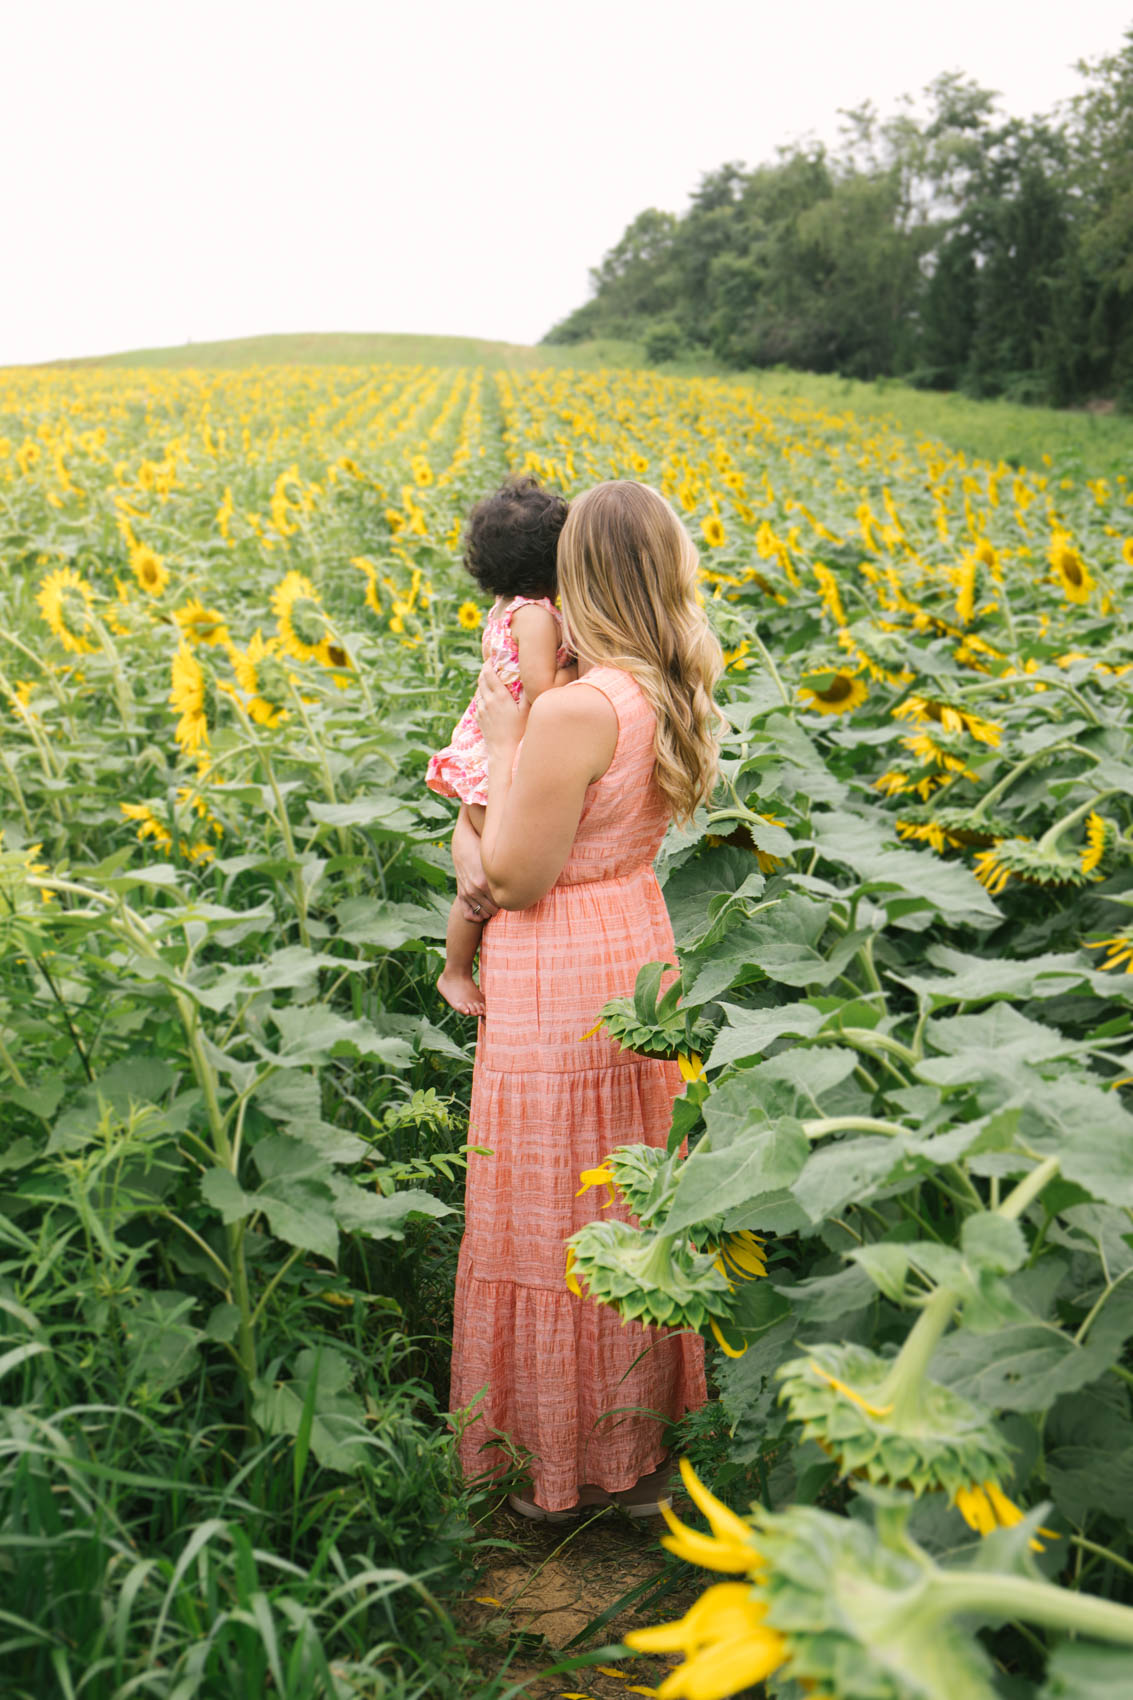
{"x":510,"y":539}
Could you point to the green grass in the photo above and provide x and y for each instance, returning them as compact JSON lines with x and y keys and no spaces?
{"x":364,"y":348}
{"x":1094,"y":444}
{"x":1081,"y":442}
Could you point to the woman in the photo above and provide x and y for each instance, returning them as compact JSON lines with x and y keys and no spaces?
{"x":580,"y":791}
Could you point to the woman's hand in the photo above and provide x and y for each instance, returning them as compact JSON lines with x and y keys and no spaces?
{"x":502,"y":719}
{"x":471,"y":885}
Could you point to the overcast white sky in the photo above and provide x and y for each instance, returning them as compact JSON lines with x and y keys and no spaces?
{"x":212,"y":168}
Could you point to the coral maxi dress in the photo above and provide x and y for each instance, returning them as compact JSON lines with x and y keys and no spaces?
{"x":565,"y":1377}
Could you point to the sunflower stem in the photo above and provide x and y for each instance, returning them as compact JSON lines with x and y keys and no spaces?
{"x":1053,"y":833}
{"x":11,"y":1065}
{"x":1028,"y":1189}
{"x":1008,"y":617}
{"x":282,"y":820}
{"x":902,"y":1386}
{"x":1107,"y":1553}
{"x":18,"y":795}
{"x":1008,"y":1597}
{"x":770,"y":665}
{"x":818,"y":1129}
{"x":1016,"y":772}
{"x":865,"y":957}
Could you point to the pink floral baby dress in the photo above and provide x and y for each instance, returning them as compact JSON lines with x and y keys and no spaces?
{"x":461,"y":768}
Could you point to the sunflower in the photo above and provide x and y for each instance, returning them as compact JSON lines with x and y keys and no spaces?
{"x":985,"y":553}
{"x":714,"y":533}
{"x":1071,"y":571}
{"x":336,"y":656}
{"x":149,"y":826}
{"x":603,"y":1176}
{"x":19,"y":698}
{"x":262,"y":678}
{"x":18,"y":868}
{"x":928,"y":832}
{"x":1033,"y":863}
{"x":893,"y":782}
{"x":965,"y":580}
{"x":468,"y":616}
{"x":951,"y":826}
{"x":937,"y":752}
{"x":828,"y":592}
{"x":985,"y":1507}
{"x":224,"y":515}
{"x":727,"y":1644}
{"x":1101,"y":838}
{"x":831,"y":691}
{"x":200,"y":624}
{"x":149,"y":569}
{"x":950,"y":716}
{"x":740,"y":1254}
{"x":302,"y":623}
{"x":1127,"y":551}
{"x":65,"y":601}
{"x":1120,"y":948}
{"x":190,"y":696}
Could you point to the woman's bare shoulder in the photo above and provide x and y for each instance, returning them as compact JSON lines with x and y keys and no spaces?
{"x":568,"y":706}
{"x":569,"y":727}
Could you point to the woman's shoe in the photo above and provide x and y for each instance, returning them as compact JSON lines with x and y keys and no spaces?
{"x":589,"y":1499}
{"x":648,"y":1495}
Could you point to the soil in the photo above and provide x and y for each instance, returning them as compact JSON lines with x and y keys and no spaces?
{"x":548,"y":1585}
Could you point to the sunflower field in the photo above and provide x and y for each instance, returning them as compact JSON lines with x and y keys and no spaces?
{"x":233,"y":626}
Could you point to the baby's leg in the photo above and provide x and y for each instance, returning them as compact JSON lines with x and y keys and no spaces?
{"x":456,"y":985}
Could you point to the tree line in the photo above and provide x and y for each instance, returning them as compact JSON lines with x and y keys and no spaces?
{"x":954,"y":247}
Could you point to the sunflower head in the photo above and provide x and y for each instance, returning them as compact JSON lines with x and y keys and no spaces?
{"x":192,"y":696}
{"x":655,"y":1279}
{"x":18,"y":870}
{"x":740,"y":1256}
{"x":66,"y":602}
{"x":301,"y":622}
{"x":836,"y":1393}
{"x":263,"y":678}
{"x":1070,"y":570}
{"x":831,"y":690}
{"x":1102,"y":837}
{"x":714,"y":534}
{"x":200,"y":624}
{"x":468,"y":616}
{"x":1028,"y":860}
{"x":950,"y":827}
{"x":1119,"y":949}
{"x":950,"y":716}
{"x":149,"y":569}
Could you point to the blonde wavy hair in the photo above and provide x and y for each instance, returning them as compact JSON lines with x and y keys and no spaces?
{"x":627,"y":580}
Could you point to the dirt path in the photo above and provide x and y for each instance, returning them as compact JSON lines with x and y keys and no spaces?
{"x":550,"y":1582}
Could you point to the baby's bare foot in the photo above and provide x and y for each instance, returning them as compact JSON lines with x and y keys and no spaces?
{"x":462,"y":992}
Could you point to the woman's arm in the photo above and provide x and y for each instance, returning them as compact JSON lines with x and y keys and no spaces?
{"x":531,"y":820}
{"x":537,"y":641}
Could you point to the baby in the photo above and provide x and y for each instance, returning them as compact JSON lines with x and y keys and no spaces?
{"x":510,"y":543}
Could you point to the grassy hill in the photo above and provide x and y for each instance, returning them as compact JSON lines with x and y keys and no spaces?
{"x":362,"y":348}
{"x":1079,"y":441}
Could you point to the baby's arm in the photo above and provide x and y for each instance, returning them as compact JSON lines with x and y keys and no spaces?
{"x":536,"y":636}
